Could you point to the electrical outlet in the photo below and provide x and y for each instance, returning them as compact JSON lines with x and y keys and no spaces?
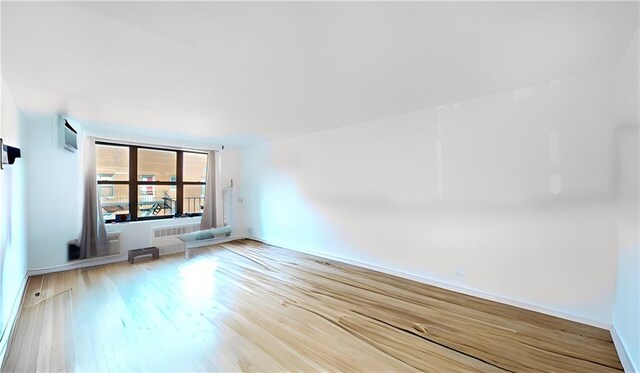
{"x":250,"y":232}
{"x":460,"y":272}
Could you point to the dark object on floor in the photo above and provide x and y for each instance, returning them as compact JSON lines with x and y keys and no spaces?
{"x":74,"y":249}
{"x":153,"y":251}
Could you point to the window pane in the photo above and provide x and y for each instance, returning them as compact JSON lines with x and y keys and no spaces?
{"x":112,"y":162}
{"x":156,"y":165}
{"x":114,"y":200}
{"x":193,"y":200}
{"x":195,"y":167}
{"x":156,"y":200}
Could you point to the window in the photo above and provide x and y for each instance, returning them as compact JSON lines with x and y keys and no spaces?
{"x":157,"y":182}
{"x":112,"y":169}
{"x":106,"y":190}
{"x":195,"y":174}
{"x":147,"y":190}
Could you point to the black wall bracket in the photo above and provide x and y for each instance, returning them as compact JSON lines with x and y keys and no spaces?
{"x":9,"y":154}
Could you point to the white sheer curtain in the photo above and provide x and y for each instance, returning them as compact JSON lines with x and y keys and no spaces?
{"x":209,"y":213}
{"x":94,"y":240}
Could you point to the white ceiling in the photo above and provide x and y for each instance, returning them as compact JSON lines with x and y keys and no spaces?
{"x":247,"y":72}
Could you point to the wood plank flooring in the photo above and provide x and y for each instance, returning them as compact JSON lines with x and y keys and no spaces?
{"x":247,"y":306}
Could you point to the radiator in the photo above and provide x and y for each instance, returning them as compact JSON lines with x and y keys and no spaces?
{"x":166,"y":240}
{"x":114,"y":243}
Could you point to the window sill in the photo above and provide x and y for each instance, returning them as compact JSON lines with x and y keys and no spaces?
{"x":160,"y":221}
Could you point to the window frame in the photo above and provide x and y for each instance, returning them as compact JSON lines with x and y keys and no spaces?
{"x":134,"y":183}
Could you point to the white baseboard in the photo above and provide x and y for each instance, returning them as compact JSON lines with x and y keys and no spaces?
{"x":12,"y":321}
{"x":455,"y":288}
{"x":531,"y":307}
{"x":623,"y":354}
{"x":92,"y":262}
{"x":621,"y":349}
{"x":79,"y":263}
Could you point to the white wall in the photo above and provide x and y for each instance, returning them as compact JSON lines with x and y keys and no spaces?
{"x":13,"y":238}
{"x":55,"y":190}
{"x":626,"y":314}
{"x":54,"y":193}
{"x":514,"y":188}
{"x":231,"y":168}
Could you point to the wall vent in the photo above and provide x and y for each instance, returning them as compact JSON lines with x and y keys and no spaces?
{"x":165,"y":238}
{"x":114,"y":243}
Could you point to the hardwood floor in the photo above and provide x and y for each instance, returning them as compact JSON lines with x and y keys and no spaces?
{"x":247,"y":306}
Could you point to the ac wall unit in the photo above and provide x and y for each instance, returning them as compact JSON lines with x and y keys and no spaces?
{"x":69,"y":137}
